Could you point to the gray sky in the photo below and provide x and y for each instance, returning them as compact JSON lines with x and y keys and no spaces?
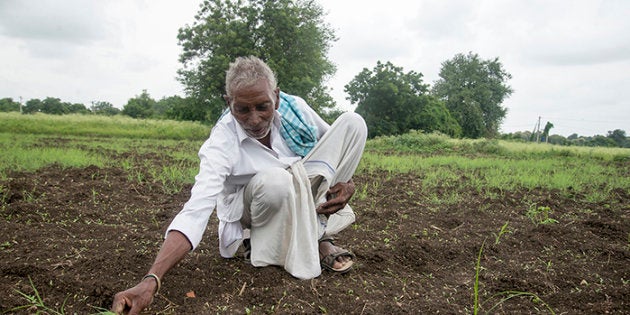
{"x":570,"y":60}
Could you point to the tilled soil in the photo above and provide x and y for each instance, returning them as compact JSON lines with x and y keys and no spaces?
{"x":81,"y":235}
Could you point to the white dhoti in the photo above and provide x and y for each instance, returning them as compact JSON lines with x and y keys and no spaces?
{"x":280,"y":204}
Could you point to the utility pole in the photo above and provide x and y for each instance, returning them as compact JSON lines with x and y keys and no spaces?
{"x":536,"y":131}
{"x":20,"y":105}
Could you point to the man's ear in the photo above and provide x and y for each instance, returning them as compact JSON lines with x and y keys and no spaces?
{"x":227,"y":100}
{"x":277,"y":92}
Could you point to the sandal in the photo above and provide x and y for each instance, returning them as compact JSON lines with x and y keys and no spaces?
{"x":328,"y":261}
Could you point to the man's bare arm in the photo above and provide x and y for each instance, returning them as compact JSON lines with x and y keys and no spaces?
{"x":135,"y":299}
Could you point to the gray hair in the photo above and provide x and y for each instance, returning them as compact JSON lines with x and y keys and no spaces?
{"x":245,"y":71}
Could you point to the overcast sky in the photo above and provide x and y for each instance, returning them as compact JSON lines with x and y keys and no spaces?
{"x":570,"y":60}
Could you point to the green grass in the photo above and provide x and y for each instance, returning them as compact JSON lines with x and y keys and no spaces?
{"x":492,"y":172}
{"x":32,"y":142}
{"x":102,"y":126}
{"x":168,"y":149}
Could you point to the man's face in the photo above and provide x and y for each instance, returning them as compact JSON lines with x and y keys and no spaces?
{"x":253,"y":107}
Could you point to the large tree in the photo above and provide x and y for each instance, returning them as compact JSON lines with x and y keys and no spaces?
{"x":104,"y":108}
{"x":619,"y":136}
{"x":393,"y":102}
{"x":291,"y":36}
{"x":473,"y":90}
{"x":179,"y":108}
{"x":140,"y":106}
{"x":8,"y":105}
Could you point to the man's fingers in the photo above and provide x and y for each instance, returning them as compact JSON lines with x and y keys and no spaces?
{"x":134,"y":311}
{"x":122,"y":304}
{"x":119,"y":305}
{"x":330,"y":207}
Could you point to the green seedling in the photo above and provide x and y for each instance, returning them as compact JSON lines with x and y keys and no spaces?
{"x":35,"y":303}
{"x":540,"y":215}
{"x":504,"y":230}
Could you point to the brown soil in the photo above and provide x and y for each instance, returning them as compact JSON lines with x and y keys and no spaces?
{"x":81,"y":235}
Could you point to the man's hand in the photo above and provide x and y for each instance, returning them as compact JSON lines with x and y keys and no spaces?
{"x":338,"y":197}
{"x":135,"y":299}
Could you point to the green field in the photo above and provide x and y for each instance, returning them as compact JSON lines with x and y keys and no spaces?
{"x":30,"y":142}
{"x":443,"y":225}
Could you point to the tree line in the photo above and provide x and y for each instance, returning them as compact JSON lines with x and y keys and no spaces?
{"x":293,"y":38}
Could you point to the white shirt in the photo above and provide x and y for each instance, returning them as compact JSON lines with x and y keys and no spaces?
{"x":228,"y":160}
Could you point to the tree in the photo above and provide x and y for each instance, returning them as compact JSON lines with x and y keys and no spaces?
{"x":76,"y":108}
{"x":54,"y":106}
{"x":104,"y":108}
{"x":179,"y":108}
{"x":393,"y":102}
{"x":8,"y":105}
{"x":473,"y":90}
{"x":601,"y":141}
{"x":32,"y":106}
{"x":291,"y":36}
{"x":619,"y":136}
{"x":140,"y":106}
{"x":545,"y":133}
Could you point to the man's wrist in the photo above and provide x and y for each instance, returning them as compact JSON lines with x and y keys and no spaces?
{"x":153,"y":277}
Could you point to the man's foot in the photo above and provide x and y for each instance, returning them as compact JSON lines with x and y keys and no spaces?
{"x":335,"y":258}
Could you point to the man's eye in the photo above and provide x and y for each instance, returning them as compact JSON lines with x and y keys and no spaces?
{"x":262,"y":107}
{"x":242,"y":110}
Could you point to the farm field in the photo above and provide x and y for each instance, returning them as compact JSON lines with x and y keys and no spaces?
{"x":443,"y":226}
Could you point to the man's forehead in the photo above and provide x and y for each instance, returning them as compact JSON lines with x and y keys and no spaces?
{"x":258,"y":90}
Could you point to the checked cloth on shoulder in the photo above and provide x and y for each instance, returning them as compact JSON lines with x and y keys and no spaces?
{"x":299,"y":135}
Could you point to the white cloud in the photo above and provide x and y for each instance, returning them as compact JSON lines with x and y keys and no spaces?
{"x":43,"y":24}
{"x":569,"y":59}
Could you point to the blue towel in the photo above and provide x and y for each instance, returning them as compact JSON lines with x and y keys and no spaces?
{"x":298,"y":134}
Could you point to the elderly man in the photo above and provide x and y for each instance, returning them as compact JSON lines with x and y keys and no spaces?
{"x":280,"y":178}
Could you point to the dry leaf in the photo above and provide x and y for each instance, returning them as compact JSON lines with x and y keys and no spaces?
{"x":190,"y":294}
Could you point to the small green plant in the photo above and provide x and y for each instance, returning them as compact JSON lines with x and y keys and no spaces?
{"x":504,"y":230}
{"x":102,"y":311}
{"x":362,"y":192}
{"x":476,"y":284}
{"x":507,"y":295}
{"x":540,"y":214}
{"x":35,"y":303}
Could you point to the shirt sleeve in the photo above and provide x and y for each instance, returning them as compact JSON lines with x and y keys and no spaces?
{"x":214,"y":167}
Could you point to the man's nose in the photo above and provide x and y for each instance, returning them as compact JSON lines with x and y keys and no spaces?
{"x":254,"y":119}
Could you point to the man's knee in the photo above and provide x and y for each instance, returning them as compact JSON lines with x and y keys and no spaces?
{"x":271,"y":186}
{"x":354,"y":123}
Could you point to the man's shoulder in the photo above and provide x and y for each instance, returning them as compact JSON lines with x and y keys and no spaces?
{"x":224,"y":130}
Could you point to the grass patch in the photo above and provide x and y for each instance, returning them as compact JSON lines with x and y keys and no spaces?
{"x":102,"y":126}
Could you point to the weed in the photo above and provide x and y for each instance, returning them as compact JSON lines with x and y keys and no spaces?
{"x":506,"y":294}
{"x":35,"y":303}
{"x":476,"y":284}
{"x":512,"y":294}
{"x":102,"y":311}
{"x":504,"y":230}
{"x":540,"y":214}
{"x":361,"y":193}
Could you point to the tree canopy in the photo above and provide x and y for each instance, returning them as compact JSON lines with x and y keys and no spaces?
{"x":53,"y":105}
{"x":140,"y":106}
{"x":291,"y":36}
{"x":7,"y":104}
{"x":473,"y":90}
{"x":393,"y":102}
{"x":104,"y":108}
